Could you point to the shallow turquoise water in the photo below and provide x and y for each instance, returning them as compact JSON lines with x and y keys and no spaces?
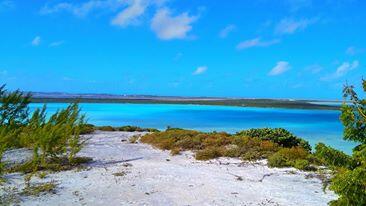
{"x":312,"y":125}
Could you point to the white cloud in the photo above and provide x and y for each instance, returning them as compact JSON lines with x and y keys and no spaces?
{"x":130,"y":15}
{"x":290,"y":26}
{"x":281,"y":67}
{"x":56,"y":43}
{"x":256,"y":43}
{"x":169,"y":27}
{"x":82,"y":9}
{"x":36,"y":41}
{"x":200,"y":70}
{"x":227,"y":30}
{"x":345,"y":67}
{"x":342,"y":70}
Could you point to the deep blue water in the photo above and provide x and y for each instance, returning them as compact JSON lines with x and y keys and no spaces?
{"x":312,"y":125}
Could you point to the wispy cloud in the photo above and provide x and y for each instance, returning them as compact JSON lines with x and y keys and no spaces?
{"x":280,"y":68}
{"x":36,"y":41}
{"x":257,"y":42}
{"x":290,"y":26}
{"x":296,"y":5}
{"x":131,"y":14}
{"x":3,"y":72}
{"x":65,"y":78}
{"x":82,"y":9}
{"x":200,"y":70}
{"x":178,"y":56}
{"x":345,"y":67}
{"x":353,"y":51}
{"x":56,"y":43}
{"x":342,"y":70}
{"x":167,"y":27}
{"x":314,"y":69}
{"x":6,"y":5}
{"x":227,"y":30}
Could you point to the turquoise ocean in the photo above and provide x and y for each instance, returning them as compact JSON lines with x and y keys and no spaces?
{"x":312,"y":125}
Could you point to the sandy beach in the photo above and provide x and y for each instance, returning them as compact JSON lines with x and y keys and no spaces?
{"x":123,"y":173}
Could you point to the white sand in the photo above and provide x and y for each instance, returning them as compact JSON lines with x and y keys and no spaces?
{"x":152,"y":180}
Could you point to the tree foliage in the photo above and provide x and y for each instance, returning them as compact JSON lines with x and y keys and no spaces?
{"x":354,"y":115}
{"x":52,"y":138}
{"x":350,"y":179}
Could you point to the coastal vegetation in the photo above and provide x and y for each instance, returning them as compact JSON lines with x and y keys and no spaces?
{"x":283,"y":149}
{"x":54,"y":140}
{"x":89,"y":128}
{"x":278,"y":145}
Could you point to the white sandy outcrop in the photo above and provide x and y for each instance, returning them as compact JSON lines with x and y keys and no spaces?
{"x":137,"y":174}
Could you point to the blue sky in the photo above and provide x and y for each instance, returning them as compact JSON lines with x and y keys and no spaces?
{"x":265,"y":48}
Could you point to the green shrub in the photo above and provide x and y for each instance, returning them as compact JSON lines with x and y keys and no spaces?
{"x":211,"y":145}
{"x":290,"y":157}
{"x":209,"y":153}
{"x":278,"y":160}
{"x":129,"y":128}
{"x":175,"y":151}
{"x":351,"y":186}
{"x":333,"y":157}
{"x":278,"y":135}
{"x":106,"y":128}
{"x":303,"y":164}
{"x":87,"y":129}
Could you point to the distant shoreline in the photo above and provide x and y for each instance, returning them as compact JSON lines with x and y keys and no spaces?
{"x":263,"y":103}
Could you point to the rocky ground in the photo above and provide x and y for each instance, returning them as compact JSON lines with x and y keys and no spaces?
{"x":124,"y":173}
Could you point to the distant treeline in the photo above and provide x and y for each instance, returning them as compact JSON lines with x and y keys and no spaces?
{"x":267,"y":103}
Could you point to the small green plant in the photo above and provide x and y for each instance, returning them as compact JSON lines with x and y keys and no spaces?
{"x":40,"y":189}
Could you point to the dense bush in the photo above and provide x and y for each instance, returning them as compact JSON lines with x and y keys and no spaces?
{"x":126,"y":129}
{"x":350,"y":185}
{"x":332,"y":157}
{"x":87,"y":129}
{"x":278,"y":135}
{"x":218,"y":144}
{"x":106,"y":128}
{"x":129,"y":128}
{"x":296,"y":157}
{"x":209,"y":153}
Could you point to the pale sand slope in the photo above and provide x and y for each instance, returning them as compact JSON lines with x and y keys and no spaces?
{"x":154,"y":177}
